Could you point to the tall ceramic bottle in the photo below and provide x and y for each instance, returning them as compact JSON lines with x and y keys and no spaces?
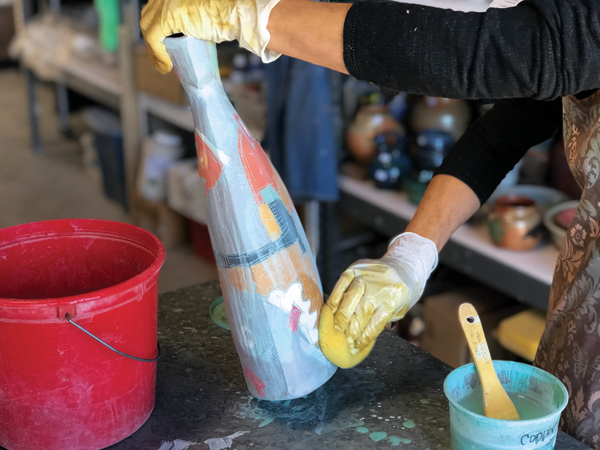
{"x":271,"y":287}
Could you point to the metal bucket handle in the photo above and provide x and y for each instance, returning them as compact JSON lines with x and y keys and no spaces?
{"x":72,"y":322}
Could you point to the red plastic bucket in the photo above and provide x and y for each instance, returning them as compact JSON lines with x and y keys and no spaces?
{"x":60,"y":388}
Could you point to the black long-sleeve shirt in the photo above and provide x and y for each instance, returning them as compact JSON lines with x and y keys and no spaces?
{"x":527,"y":56}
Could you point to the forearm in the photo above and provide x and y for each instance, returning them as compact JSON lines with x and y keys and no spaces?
{"x":310,"y":31}
{"x":446,"y":205}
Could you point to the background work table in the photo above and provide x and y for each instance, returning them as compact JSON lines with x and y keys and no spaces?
{"x":201,"y":395}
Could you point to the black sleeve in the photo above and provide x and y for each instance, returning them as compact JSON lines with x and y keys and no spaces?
{"x":541,"y":49}
{"x":492,"y":146}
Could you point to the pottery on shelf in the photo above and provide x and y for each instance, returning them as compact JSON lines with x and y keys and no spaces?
{"x":444,"y":114}
{"x":430,"y":149}
{"x":427,"y":153}
{"x":514,"y":223}
{"x":392,"y":163}
{"x":370,"y":121}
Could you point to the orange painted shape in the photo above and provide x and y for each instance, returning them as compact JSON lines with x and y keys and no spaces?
{"x":268,"y":220}
{"x":257,"y":166}
{"x":286,"y":267}
{"x":209,"y":167}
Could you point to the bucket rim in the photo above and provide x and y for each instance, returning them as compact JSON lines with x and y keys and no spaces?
{"x":472,"y":369}
{"x":60,"y":226}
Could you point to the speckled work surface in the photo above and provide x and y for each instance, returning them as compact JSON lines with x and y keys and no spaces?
{"x":393,"y":399}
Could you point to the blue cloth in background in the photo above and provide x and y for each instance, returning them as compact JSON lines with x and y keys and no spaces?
{"x":300,"y":135}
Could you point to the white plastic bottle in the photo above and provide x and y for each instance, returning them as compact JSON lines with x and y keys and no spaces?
{"x":163,"y":150}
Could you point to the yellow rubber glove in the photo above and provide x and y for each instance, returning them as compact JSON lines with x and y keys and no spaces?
{"x":209,"y":20}
{"x":371,"y":293}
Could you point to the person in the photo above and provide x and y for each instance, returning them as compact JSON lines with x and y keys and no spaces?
{"x":540,"y":61}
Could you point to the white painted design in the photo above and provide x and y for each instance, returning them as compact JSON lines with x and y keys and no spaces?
{"x":247,"y":339}
{"x":293,"y":297}
{"x":223,"y":157}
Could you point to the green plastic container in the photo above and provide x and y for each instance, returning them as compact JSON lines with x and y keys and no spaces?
{"x":109,"y":15}
{"x":472,"y":431}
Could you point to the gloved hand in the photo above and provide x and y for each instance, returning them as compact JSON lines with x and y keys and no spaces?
{"x":209,"y":20}
{"x":371,"y":293}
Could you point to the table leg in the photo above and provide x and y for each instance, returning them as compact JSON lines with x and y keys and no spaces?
{"x":32,"y":102}
{"x":62,"y":102}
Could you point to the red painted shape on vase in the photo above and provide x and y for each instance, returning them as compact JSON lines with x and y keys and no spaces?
{"x":294,"y":318}
{"x":256,"y":381}
{"x":257,"y":166}
{"x":209,"y":167}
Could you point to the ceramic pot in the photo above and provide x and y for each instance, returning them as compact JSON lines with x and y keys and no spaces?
{"x":444,"y":114}
{"x":370,"y":121}
{"x":392,"y":163}
{"x":431,"y":148}
{"x":515,"y":223}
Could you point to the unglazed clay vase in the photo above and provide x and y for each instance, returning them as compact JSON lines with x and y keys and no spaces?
{"x":515,"y":223}
{"x":268,"y":275}
{"x":443,"y":114}
{"x":370,"y":121}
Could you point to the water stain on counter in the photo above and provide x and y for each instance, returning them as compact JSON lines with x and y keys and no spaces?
{"x":326,"y":410}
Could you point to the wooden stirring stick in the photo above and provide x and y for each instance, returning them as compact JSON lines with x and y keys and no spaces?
{"x":496,"y":402}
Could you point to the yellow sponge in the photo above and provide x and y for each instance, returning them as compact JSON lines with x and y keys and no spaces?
{"x":521,"y":333}
{"x":334,"y":343}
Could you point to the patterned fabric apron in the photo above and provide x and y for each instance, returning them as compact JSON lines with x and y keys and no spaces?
{"x":570,"y":346}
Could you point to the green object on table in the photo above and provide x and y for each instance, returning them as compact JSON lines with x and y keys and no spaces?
{"x":218,"y":313}
{"x":109,"y":17}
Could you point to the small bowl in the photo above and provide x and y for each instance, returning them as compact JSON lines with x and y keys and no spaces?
{"x":545,"y":197}
{"x":562,"y":210}
{"x":564,"y":218}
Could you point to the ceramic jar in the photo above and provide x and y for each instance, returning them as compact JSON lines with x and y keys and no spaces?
{"x":443,"y":114}
{"x":428,"y":152}
{"x":392,"y":163}
{"x":430,"y":149}
{"x":370,"y":121}
{"x":514,"y":223}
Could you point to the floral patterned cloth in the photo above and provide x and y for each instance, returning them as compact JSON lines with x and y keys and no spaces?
{"x":570,"y":346}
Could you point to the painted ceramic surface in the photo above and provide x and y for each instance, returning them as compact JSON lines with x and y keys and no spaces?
{"x":271,"y":287}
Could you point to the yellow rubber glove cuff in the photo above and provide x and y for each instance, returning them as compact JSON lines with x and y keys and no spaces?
{"x":209,"y":20}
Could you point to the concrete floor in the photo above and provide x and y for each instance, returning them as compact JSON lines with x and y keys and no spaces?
{"x":55,"y":186}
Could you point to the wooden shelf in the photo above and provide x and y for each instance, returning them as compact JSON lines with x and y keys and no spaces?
{"x":94,"y":79}
{"x":178,"y":115}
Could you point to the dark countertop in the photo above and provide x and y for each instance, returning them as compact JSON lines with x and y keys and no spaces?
{"x":201,"y":394}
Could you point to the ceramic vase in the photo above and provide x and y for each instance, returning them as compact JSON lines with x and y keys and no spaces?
{"x":370,"y":121}
{"x":444,"y":114}
{"x":268,"y":275}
